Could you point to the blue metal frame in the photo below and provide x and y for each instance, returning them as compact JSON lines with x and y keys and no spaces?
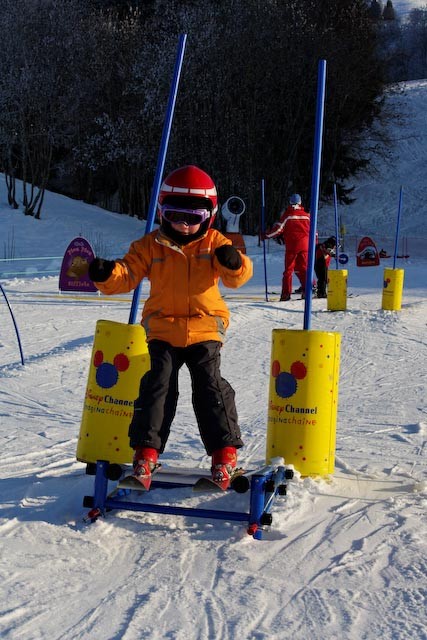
{"x":336,"y":225}
{"x":315,"y":188}
{"x":399,"y":212}
{"x":266,"y":484}
{"x":263,"y":239}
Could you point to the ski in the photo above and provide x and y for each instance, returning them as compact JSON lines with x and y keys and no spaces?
{"x":299,"y":290}
{"x":138,"y":483}
{"x":295,"y":291}
{"x":238,"y":482}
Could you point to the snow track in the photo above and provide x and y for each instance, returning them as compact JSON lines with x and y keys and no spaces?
{"x":344,"y":558}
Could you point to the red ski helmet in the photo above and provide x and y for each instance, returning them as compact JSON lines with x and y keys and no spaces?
{"x":190,"y":188}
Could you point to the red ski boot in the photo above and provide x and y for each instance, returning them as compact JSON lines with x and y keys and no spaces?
{"x":144,"y":463}
{"x":224,"y":462}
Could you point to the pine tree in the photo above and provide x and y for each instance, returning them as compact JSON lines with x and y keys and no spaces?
{"x":375,"y":10}
{"x":388,"y":13}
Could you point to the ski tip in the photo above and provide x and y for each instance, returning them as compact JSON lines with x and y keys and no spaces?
{"x":238,"y":482}
{"x":207,"y":484}
{"x":137,"y":484}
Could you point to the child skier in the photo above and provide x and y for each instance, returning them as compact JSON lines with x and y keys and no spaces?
{"x":185,"y":319}
{"x":322,"y":258}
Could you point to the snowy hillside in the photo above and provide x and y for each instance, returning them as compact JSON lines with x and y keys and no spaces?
{"x":401,"y":165}
{"x":403,"y":7}
{"x":345,"y":557}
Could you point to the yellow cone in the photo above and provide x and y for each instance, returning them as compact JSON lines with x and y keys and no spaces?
{"x":119,"y":360}
{"x":303,"y":399}
{"x":337,"y":290}
{"x":392,"y":289}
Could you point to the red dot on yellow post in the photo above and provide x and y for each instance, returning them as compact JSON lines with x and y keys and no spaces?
{"x":275,"y":368}
{"x":298,"y":370}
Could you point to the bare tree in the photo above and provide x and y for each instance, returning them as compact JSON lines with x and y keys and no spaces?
{"x":35,"y":88}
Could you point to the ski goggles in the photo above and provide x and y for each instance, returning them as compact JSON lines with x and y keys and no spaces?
{"x":184,"y":216}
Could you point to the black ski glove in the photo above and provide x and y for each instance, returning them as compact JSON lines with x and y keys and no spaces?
{"x":228,"y":257}
{"x":100,"y":269}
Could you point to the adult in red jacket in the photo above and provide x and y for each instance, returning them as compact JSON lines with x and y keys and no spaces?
{"x":294,"y":229}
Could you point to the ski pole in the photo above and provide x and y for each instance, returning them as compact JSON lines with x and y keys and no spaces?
{"x":161,"y":159}
{"x":262,"y":231}
{"x":14,"y":324}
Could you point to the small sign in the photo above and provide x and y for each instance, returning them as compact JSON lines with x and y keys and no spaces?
{"x":343,"y":258}
{"x":367,"y":253}
{"x":75,"y":264}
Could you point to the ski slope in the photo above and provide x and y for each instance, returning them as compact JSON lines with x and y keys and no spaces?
{"x":346,"y":555}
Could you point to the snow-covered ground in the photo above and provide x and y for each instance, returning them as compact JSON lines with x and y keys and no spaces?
{"x":345,"y":557}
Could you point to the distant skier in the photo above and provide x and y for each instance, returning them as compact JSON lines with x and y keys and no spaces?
{"x":185,"y":319}
{"x":294,"y":229}
{"x":324,"y":252}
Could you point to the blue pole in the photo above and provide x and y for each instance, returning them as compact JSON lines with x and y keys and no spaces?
{"x":397,"y":227}
{"x":315,"y":187}
{"x":262,"y":230}
{"x":336,"y":223}
{"x":161,"y":159}
{"x":14,"y":324}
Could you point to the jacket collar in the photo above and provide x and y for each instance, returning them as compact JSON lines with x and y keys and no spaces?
{"x":164,"y":240}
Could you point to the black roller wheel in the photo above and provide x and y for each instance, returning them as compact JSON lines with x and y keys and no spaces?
{"x":114,"y":471}
{"x":269,"y":486}
{"x":91,"y":469}
{"x":266,"y":519}
{"x":282,"y":489}
{"x":240,"y":484}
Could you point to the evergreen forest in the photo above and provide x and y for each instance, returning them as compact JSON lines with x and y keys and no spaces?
{"x":84,"y":88}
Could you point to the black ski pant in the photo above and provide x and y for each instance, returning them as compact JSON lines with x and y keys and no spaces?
{"x":321,"y":271}
{"x":212,"y":397}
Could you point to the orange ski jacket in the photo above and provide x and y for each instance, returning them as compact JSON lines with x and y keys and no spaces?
{"x":185,"y":305}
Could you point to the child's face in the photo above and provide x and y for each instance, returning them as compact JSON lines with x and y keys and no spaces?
{"x":185,"y":229}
